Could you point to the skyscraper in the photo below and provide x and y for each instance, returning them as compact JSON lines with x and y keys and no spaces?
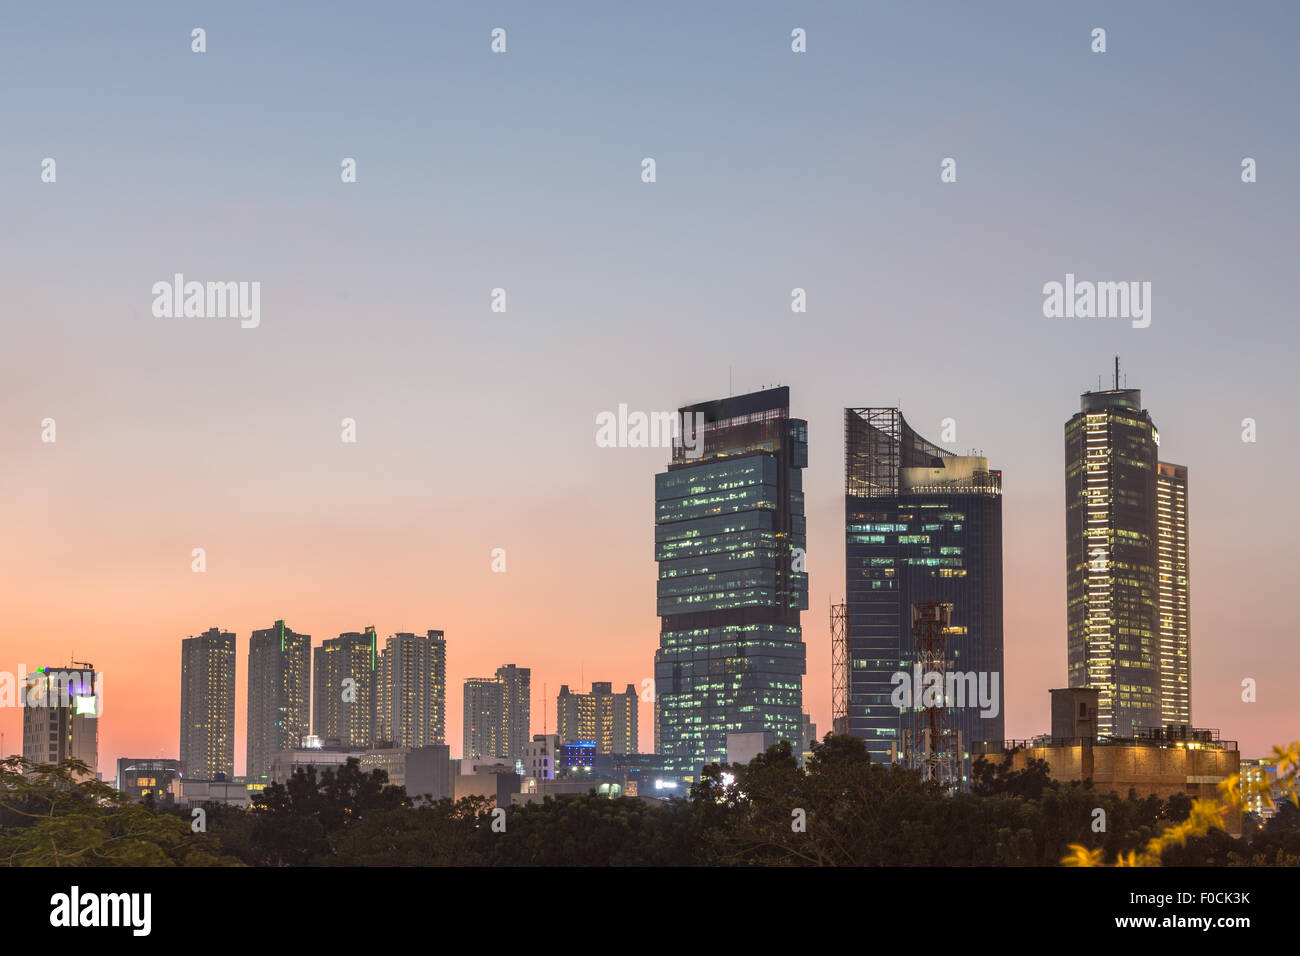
{"x":61,"y":708}
{"x":483,"y":718}
{"x":279,"y":695}
{"x":412,"y":690}
{"x":208,"y":705}
{"x":516,"y":716}
{"x":344,"y":692}
{"x":607,"y":719}
{"x":1175,"y":605}
{"x":921,"y":525}
{"x":730,"y":543}
{"x":1126,"y":565}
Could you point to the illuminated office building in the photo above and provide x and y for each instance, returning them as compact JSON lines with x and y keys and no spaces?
{"x":1126,"y":566}
{"x":922,"y":524}
{"x":1174,"y":597}
{"x":279,"y":695}
{"x":730,"y":543}
{"x":208,"y":705}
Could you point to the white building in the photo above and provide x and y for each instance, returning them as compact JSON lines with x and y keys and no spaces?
{"x":539,"y":756}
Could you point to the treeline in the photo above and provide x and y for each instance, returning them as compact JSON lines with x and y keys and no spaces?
{"x":839,"y":810}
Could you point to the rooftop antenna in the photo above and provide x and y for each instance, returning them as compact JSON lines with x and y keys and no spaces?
{"x":1117,"y":371}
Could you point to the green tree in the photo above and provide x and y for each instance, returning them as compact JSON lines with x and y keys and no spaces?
{"x":59,"y":815}
{"x":294,"y":822}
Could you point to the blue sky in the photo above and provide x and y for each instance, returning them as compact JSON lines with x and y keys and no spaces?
{"x":522,"y":171}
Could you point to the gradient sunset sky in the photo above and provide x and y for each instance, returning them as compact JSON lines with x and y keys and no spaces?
{"x":476,"y":430}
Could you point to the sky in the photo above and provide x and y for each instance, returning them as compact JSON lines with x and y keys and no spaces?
{"x":522,"y":171}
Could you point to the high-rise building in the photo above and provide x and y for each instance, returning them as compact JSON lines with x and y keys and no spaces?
{"x":208,"y":705}
{"x":61,"y":707}
{"x":412,"y":690}
{"x":602,"y":716}
{"x":922,"y":524}
{"x":517,"y":709}
{"x":1175,"y":604}
{"x":279,"y":695}
{"x":483,"y":718}
{"x":730,"y":543}
{"x":344,"y":692}
{"x":1126,"y":565}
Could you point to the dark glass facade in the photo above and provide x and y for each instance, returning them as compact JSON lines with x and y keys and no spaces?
{"x":730,"y":535}
{"x":921,"y":524}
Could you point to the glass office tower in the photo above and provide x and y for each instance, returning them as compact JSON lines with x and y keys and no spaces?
{"x":1111,"y":540}
{"x":1174,"y":596}
{"x":730,"y":540}
{"x":921,"y":524}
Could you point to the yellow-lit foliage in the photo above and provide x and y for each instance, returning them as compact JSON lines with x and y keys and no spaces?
{"x":1234,"y":796}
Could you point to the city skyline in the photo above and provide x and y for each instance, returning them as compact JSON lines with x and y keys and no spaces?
{"x":369,"y":640}
{"x":776,"y":171}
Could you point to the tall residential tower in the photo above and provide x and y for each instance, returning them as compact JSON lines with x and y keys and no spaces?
{"x":344,"y":692}
{"x":516,"y":714}
{"x":483,"y":718}
{"x":208,"y":705}
{"x":279,"y":698}
{"x":412,"y":690}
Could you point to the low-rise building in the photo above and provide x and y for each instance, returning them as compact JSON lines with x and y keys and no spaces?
{"x":1157,"y":761}
{"x":198,"y":793}
{"x":540,"y":755}
{"x":144,"y":777}
{"x":1258,"y":771}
